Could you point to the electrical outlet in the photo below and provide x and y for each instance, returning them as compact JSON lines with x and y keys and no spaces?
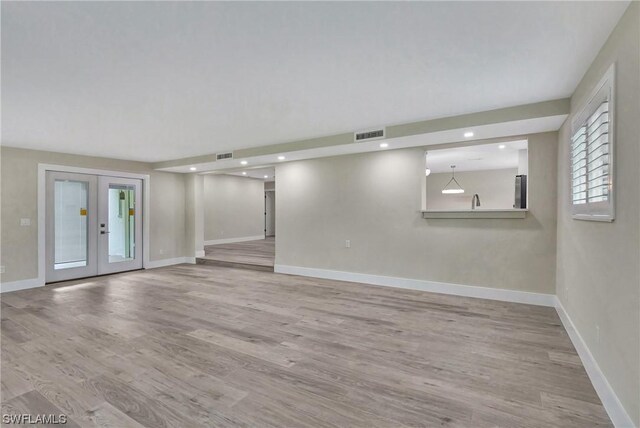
{"x":347,"y":243}
{"x":25,"y":222}
{"x":161,"y":251}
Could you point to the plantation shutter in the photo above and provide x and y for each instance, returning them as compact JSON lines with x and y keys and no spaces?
{"x":591,"y":162}
{"x":579,"y":166}
{"x":598,"y":154}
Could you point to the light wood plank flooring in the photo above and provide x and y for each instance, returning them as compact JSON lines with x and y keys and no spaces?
{"x":261,"y":253}
{"x":195,"y":345}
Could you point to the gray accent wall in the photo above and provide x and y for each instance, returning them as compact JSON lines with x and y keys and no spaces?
{"x":374,"y":200}
{"x":598,"y":279}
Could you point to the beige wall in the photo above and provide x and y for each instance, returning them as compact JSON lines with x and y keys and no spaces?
{"x":598,"y":279}
{"x":194,"y":215}
{"x":495,"y":188}
{"x":374,"y":200}
{"x":19,"y":200}
{"x":233,"y":207}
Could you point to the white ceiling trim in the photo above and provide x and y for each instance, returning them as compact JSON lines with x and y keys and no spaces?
{"x":495,"y":130}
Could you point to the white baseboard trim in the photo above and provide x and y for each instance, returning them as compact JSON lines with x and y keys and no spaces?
{"x":232,"y":240}
{"x":431,"y":286}
{"x":24,"y":284}
{"x":7,"y":287}
{"x":169,"y":262}
{"x":609,"y":399}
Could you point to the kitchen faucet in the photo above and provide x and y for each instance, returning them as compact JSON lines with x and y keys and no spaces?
{"x":475,"y":201}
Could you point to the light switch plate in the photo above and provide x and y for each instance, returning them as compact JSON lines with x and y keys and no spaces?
{"x":25,"y":222}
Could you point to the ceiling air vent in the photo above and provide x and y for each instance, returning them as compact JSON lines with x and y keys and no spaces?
{"x":375,"y":134}
{"x":223,"y":156}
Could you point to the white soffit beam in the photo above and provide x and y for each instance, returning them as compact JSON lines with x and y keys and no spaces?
{"x":482,"y":132}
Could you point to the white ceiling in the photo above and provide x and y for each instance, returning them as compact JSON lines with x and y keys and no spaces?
{"x":477,"y":157}
{"x":163,"y":80}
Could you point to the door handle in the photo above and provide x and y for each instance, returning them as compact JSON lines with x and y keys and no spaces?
{"x":102,"y":232}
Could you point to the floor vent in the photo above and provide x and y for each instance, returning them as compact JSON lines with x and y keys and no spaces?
{"x":375,"y":134}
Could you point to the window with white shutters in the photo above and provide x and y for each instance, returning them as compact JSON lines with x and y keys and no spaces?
{"x":591,"y":162}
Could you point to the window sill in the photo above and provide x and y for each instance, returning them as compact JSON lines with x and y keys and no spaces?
{"x":479,"y":213}
{"x":607,"y":218}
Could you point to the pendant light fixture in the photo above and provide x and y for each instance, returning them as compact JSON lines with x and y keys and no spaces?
{"x":451,"y":188}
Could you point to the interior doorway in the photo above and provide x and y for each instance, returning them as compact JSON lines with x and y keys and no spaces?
{"x":269,"y":213}
{"x":239,"y":219}
{"x":93,"y":225}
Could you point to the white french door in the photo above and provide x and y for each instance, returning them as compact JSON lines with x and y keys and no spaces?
{"x":93,"y":225}
{"x":119,"y":224}
{"x":71,"y":225}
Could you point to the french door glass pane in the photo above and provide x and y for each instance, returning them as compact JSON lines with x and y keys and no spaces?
{"x":121,"y":223}
{"x":70,"y":204}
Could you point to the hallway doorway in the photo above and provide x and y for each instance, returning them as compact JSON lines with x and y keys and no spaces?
{"x":269,"y":213}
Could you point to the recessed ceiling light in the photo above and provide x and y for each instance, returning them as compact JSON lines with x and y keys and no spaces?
{"x":501,"y":146}
{"x":243,"y":162}
{"x":281,"y":158}
{"x":468,"y":134}
{"x":244,"y":172}
{"x":193,"y":168}
{"x":266,"y":176}
{"x":384,"y":145}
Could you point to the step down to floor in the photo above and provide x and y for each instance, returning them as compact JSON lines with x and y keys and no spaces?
{"x":222,"y":263}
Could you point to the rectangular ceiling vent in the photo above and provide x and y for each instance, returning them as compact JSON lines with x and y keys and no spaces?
{"x":223,"y":156}
{"x":375,"y":134}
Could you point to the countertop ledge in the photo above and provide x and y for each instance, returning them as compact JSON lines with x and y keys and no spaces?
{"x":477,"y":213}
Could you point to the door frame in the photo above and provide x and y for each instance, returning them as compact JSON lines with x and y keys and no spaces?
{"x":42,"y":200}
